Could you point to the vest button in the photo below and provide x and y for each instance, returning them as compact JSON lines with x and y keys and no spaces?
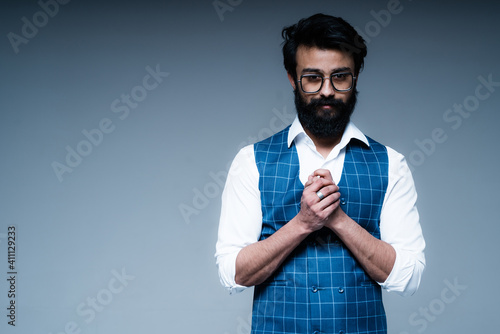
{"x":314,"y":289}
{"x":341,"y":290}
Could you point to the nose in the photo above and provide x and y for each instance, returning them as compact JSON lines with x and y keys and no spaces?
{"x":327,"y":89}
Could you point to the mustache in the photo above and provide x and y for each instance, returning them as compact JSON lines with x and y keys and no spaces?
{"x":328,"y":101}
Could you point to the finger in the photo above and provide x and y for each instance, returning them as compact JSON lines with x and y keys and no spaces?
{"x":334,"y":197}
{"x":310,"y":179}
{"x":326,"y":207}
{"x":322,"y":199}
{"x":327,"y":190}
{"x":327,"y":211}
{"x":331,"y":195}
{"x":324,"y":173}
{"x":317,"y":184}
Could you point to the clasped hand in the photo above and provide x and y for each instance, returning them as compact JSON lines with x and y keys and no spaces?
{"x":316,"y":212}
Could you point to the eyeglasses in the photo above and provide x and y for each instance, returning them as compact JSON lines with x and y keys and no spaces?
{"x":312,"y":83}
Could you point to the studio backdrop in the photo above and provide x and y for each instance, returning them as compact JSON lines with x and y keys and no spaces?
{"x":119,"y":120}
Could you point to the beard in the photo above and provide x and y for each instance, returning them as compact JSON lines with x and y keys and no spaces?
{"x":321,"y":123}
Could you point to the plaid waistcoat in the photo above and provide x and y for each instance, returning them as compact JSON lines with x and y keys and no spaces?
{"x":320,"y":287}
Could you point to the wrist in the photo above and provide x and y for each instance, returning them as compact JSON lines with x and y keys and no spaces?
{"x":337,"y":220}
{"x":300,"y":226}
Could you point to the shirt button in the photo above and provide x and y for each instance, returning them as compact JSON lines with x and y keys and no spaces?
{"x":341,"y":332}
{"x":342,"y":201}
{"x":314,"y":289}
{"x":341,"y":290}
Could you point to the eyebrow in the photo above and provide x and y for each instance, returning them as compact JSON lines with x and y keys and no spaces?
{"x":316,"y":70}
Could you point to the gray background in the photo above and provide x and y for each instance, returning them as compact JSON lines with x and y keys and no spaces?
{"x":120,"y":209}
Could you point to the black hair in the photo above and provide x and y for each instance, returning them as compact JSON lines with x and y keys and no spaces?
{"x":324,"y":32}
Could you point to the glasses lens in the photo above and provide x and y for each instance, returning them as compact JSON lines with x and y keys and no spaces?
{"x":342,"y":81}
{"x":311,"y":83}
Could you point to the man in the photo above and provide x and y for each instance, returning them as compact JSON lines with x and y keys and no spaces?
{"x":319,"y":217}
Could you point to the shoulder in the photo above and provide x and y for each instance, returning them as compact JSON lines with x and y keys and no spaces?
{"x":396,"y":160}
{"x":243,"y":173}
{"x":244,"y":159}
{"x":394,"y":155}
{"x":398,"y":166}
{"x":375,"y":145}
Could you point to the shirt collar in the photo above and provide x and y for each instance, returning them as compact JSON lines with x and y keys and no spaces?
{"x":351,"y":131}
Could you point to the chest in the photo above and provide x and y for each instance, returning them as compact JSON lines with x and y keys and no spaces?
{"x":363,"y":182}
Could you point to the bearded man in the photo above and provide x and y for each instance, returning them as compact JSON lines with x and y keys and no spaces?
{"x":319,"y":217}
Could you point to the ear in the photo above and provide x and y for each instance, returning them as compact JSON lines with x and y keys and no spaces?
{"x":292,"y":81}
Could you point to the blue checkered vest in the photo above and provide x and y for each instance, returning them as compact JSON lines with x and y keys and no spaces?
{"x":320,"y":288}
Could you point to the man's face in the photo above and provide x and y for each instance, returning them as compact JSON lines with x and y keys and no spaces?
{"x":327,"y":112}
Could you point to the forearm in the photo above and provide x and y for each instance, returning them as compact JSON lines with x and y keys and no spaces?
{"x":258,"y":261}
{"x":375,"y":256}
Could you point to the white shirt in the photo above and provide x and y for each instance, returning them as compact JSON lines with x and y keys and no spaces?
{"x":241,"y":215}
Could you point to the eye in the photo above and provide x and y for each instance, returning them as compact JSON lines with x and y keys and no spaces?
{"x":312,"y":78}
{"x":341,"y":76}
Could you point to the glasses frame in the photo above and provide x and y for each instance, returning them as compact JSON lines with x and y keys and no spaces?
{"x":323,"y":81}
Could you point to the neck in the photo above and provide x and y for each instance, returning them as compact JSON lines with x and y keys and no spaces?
{"x":325,"y":145}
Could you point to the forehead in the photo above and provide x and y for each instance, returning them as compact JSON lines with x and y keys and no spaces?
{"x":324,"y":60}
